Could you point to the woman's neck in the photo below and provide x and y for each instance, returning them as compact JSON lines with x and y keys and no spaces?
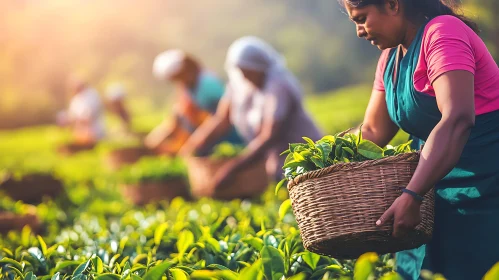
{"x":410,"y":34}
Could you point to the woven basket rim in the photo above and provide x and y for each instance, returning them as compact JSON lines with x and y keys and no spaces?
{"x":407,"y":157}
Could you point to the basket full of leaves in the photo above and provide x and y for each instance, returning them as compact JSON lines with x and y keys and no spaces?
{"x":16,"y":215}
{"x":250,"y":182}
{"x":153,"y":179}
{"x":121,"y":156}
{"x":340,"y":186}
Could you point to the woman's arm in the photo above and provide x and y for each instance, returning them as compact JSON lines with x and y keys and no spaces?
{"x":455,"y":98}
{"x":377,"y":125}
{"x":161,"y":132}
{"x":256,"y":148}
{"x":210,"y":131}
{"x":454,"y":92}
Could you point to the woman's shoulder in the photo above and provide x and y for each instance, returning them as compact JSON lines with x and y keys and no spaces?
{"x":446,"y":24}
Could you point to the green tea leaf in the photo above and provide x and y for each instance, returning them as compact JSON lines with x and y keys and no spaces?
{"x":97,"y":264}
{"x":187,"y":269}
{"x":310,"y":142}
{"x":136,"y":260}
{"x":135,"y":277}
{"x":292,"y":164}
{"x":255,"y":242}
{"x":12,"y":262}
{"x":369,"y":150}
{"x":8,"y":252}
{"x":297,"y":157}
{"x":56,"y":276}
{"x":273,"y":263}
{"x":186,"y":239}
{"x":30,"y":276}
{"x":338,"y":152}
{"x":159,"y":232}
{"x":26,"y":236}
{"x":318,"y":162}
{"x":63,"y":264}
{"x":328,"y":138}
{"x":82,"y":268}
{"x":123,"y":243}
{"x":253,"y":272}
{"x":311,"y":259}
{"x":348,"y":150}
{"x":299,"y":276}
{"x":179,"y":274}
{"x":214,"y":244}
{"x":37,"y":254}
{"x":157,"y":272}
{"x":17,"y":271}
{"x":335,"y":268}
{"x":80,"y":277}
{"x":284,"y":208}
{"x":43,"y":245}
{"x":108,"y":276}
{"x":285,"y":152}
{"x":325,"y":149}
{"x":392,"y":276}
{"x":389,"y":152}
{"x":217,"y":266}
{"x":364,"y":266}
{"x":279,"y":185}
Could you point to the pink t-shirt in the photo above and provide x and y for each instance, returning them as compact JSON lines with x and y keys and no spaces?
{"x":449,"y":44}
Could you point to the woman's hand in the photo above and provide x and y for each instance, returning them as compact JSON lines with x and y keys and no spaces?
{"x":405,"y":213}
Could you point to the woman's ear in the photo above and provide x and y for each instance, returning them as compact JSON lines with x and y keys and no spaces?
{"x":392,"y":6}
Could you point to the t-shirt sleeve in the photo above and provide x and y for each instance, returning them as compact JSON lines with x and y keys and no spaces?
{"x":379,"y":83}
{"x":447,"y":47}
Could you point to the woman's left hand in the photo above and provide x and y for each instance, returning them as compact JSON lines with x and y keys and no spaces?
{"x":405,"y":213}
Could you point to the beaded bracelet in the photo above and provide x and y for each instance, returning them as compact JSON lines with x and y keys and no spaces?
{"x":413,"y":194}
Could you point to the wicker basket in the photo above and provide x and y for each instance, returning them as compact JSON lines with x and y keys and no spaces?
{"x":247,"y":183}
{"x":32,"y":188}
{"x":337,"y":207}
{"x":73,"y":148}
{"x":10,"y":221}
{"x":147,"y":192}
{"x":120,"y":157}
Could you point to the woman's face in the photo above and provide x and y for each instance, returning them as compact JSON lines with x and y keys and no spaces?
{"x":381,"y":25}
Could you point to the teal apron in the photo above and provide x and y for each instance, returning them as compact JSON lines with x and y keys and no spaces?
{"x":465,"y":243}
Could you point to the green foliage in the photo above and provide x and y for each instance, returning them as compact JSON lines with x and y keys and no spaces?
{"x":94,"y":234}
{"x":226,"y":150}
{"x":153,"y":169}
{"x":340,"y":148}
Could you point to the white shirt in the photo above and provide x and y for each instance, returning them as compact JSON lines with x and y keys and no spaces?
{"x":87,"y":105}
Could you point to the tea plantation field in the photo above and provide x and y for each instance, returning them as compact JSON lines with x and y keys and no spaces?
{"x":92,"y":231}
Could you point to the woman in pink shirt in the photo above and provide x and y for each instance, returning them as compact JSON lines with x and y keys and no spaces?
{"x":437,"y":81}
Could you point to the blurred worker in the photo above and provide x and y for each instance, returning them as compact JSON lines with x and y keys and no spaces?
{"x":264,"y":102}
{"x":198,"y":93}
{"x":85,"y":113}
{"x":115,"y":100}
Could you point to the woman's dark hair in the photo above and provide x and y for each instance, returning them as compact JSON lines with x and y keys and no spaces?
{"x":426,"y":8}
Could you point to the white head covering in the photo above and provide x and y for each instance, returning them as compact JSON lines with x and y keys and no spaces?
{"x":115,"y":92}
{"x":168,"y":63}
{"x":253,"y":53}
